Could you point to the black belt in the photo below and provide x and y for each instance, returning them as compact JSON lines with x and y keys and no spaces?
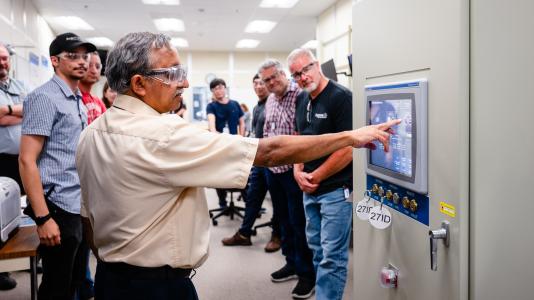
{"x":135,"y":272}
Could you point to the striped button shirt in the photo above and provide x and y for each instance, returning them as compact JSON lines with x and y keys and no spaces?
{"x":54,"y":111}
{"x":280,"y":117}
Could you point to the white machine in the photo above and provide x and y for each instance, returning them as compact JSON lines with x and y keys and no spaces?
{"x":9,"y":208}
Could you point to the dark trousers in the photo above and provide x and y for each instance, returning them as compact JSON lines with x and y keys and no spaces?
{"x":112,"y":284}
{"x":10,"y":168}
{"x":256,"y":191}
{"x":63,"y":265}
{"x":288,"y":205}
{"x":221,"y":193}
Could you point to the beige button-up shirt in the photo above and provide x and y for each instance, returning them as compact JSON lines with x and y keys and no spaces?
{"x":143,"y":176}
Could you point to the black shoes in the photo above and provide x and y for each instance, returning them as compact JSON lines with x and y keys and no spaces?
{"x":304,"y":289}
{"x":284,"y":274}
{"x":6,"y":282}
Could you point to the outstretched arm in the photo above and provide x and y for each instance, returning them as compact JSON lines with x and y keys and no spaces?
{"x":285,"y":149}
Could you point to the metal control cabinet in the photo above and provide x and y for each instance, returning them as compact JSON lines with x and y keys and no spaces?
{"x":477,"y":57}
{"x":399,"y":41}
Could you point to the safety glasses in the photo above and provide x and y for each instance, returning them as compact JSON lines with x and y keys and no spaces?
{"x":175,"y":74}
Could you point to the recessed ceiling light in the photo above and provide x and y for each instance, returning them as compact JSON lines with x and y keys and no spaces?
{"x":312,"y":44}
{"x":179,"y":42}
{"x":100,"y":41}
{"x":169,"y":24}
{"x":260,"y":26}
{"x":161,"y":2}
{"x":72,"y":23}
{"x":246,"y":43}
{"x":278,"y":3}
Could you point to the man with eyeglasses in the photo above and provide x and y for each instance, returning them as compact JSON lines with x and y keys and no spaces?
{"x":54,"y":117}
{"x":12,"y":93}
{"x":224,"y":115}
{"x":284,"y":190}
{"x":143,"y":173}
{"x":257,"y":183}
{"x":324,"y":107}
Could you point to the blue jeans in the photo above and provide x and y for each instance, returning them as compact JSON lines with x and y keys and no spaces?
{"x":256,"y":190}
{"x":329,"y":220}
{"x":287,"y":204}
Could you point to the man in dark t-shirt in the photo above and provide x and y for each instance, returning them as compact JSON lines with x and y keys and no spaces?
{"x":224,"y":115}
{"x":324,"y":106}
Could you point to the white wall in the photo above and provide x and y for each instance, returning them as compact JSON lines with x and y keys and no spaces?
{"x":236,"y":68}
{"x":23,"y":27}
{"x":334,"y":36}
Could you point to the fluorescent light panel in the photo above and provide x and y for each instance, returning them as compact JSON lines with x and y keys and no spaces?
{"x":100,"y":41}
{"x":161,"y":2}
{"x":72,"y":23}
{"x":179,"y":42}
{"x":312,"y":44}
{"x":278,"y":3}
{"x":169,"y":24}
{"x":246,"y":43}
{"x":260,"y":26}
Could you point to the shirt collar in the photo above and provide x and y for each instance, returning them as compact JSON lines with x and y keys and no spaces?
{"x":134,"y":105}
{"x":63,"y":86}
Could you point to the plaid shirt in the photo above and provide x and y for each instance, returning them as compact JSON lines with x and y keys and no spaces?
{"x":280,"y":117}
{"x":95,"y":106}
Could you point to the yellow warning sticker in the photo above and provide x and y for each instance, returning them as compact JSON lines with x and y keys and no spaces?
{"x":447,"y":209}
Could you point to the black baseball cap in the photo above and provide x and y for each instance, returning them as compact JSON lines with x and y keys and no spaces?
{"x":68,"y":42}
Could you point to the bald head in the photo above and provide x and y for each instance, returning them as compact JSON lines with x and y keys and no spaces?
{"x":4,"y":62}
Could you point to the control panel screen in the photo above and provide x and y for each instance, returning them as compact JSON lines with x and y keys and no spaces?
{"x":399,"y":159}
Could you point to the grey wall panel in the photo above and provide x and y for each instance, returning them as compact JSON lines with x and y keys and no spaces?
{"x":502,"y":149}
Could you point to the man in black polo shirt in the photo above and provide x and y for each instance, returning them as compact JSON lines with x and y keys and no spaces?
{"x":324,"y":106}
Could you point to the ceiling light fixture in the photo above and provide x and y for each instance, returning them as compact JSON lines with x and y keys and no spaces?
{"x":72,"y":23}
{"x":161,"y":2}
{"x":179,"y":42}
{"x":100,"y":41}
{"x":311,"y":44}
{"x":169,"y":24}
{"x":246,"y":43}
{"x":260,"y":26}
{"x":278,"y":3}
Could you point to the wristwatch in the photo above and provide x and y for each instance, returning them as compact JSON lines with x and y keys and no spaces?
{"x":10,"y":110}
{"x":41,"y":220}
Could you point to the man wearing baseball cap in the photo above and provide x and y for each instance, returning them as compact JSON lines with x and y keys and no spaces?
{"x":54,"y":117}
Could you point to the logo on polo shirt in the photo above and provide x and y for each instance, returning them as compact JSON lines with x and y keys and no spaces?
{"x":321,"y":116}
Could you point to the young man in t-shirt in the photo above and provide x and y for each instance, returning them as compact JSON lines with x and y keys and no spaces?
{"x":224,"y":115}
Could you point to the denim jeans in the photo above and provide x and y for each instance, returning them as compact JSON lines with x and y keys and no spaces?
{"x":328,"y":227}
{"x":288,"y":205}
{"x":256,"y":191}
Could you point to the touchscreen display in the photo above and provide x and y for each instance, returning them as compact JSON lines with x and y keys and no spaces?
{"x":399,"y":158}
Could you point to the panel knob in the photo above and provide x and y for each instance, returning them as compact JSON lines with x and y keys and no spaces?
{"x":389,"y":195}
{"x":396,"y":198}
{"x":374,"y":189}
{"x":413,"y":205}
{"x":380,"y":191}
{"x":405,"y":202}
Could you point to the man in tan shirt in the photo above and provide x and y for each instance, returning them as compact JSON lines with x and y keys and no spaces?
{"x":142,"y":173}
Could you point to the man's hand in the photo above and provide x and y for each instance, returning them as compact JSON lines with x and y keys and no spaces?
{"x":3,"y":110}
{"x":49,"y":233}
{"x":365,"y":136}
{"x":304,"y":180}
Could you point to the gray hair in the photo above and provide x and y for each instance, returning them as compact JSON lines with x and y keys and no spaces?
{"x":269,"y":63}
{"x":132,"y":55}
{"x":298,"y":53}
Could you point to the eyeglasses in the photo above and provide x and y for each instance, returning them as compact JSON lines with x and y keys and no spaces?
{"x":272,"y":77}
{"x":305,"y":71}
{"x":176,"y":74}
{"x":75,"y":56}
{"x":309,"y":112}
